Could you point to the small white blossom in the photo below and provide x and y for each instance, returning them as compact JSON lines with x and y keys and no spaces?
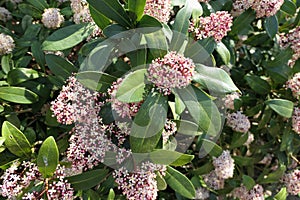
{"x":52,"y":18}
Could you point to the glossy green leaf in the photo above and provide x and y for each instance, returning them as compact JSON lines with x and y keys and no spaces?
{"x":39,"y":4}
{"x":271,"y":26}
{"x":113,"y":29}
{"x":148,"y":123}
{"x":179,"y":183}
{"x":132,"y":87}
{"x":148,"y":21}
{"x":289,"y":7}
{"x":137,"y":7}
{"x":257,"y":84}
{"x":200,"y":50}
{"x":60,"y":66}
{"x":19,"y":75}
{"x":88,"y":179}
{"x":242,"y":21}
{"x":211,"y":148}
{"x":99,"y":18}
{"x":166,"y":157}
{"x":113,"y":10}
{"x":15,"y":140}
{"x":48,"y":157}
{"x":67,"y":37}
{"x":281,"y":195}
{"x":30,"y":10}
{"x":38,"y":54}
{"x":281,"y":106}
{"x":6,"y":63}
{"x":18,"y":95}
{"x":186,"y":127}
{"x":223,"y":52}
{"x":214,"y":79}
{"x":161,"y":183}
{"x":248,"y":182}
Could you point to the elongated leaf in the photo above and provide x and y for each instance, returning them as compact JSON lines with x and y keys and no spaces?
{"x":289,"y":7}
{"x":18,"y":95}
{"x":38,"y":54}
{"x":179,"y":183}
{"x":40,"y":4}
{"x":273,"y":177}
{"x":60,"y":66}
{"x":257,"y":84}
{"x":99,"y":18}
{"x":15,"y":140}
{"x":271,"y":26}
{"x":148,"y":21}
{"x":161,"y":183}
{"x":88,"y":180}
{"x":148,"y":124}
{"x":137,"y":6}
{"x":281,"y":195}
{"x":30,"y":10}
{"x":19,"y":75}
{"x":281,"y":106}
{"x":214,"y":79}
{"x":187,"y":128}
{"x":132,"y":87}
{"x":248,"y":182}
{"x":166,"y":157}
{"x":48,"y":157}
{"x":223,"y":52}
{"x":200,"y":50}
{"x":243,"y":21}
{"x":113,"y":10}
{"x":6,"y":63}
{"x":211,"y":148}
{"x":67,"y":37}
{"x":111,"y":195}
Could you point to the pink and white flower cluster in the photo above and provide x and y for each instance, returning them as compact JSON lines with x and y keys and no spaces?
{"x":6,"y":44}
{"x":159,"y":9}
{"x":264,"y":8}
{"x":294,"y":85}
{"x":171,"y":71}
{"x":216,"y":25}
{"x":291,"y":39}
{"x":292,"y":182}
{"x":238,"y":122}
{"x":52,"y":18}
{"x":296,"y":120}
{"x":256,"y":193}
{"x":229,"y":100}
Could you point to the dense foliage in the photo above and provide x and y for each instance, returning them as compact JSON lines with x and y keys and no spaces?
{"x":150,"y":99}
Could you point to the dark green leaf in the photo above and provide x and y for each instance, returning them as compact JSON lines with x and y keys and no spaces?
{"x":132,"y":87}
{"x":243,"y":21}
{"x":273,"y":177}
{"x":113,"y":10}
{"x":243,"y":161}
{"x":15,"y":140}
{"x":148,"y":123}
{"x":30,"y":10}
{"x":137,"y":6}
{"x":179,"y":183}
{"x":271,"y":26}
{"x":88,"y":179}
{"x":39,"y":4}
{"x":257,"y":84}
{"x":18,"y":95}
{"x":113,"y":29}
{"x":67,"y":37}
{"x":99,"y":18}
{"x":200,"y":51}
{"x":204,"y":169}
{"x":214,"y":79}
{"x":60,"y":66}
{"x":211,"y":148}
{"x":248,"y":182}
{"x":148,"y":21}
{"x":187,"y":128}
{"x":38,"y":54}
{"x":48,"y":157}
{"x":281,"y":106}
{"x":289,"y":7}
{"x":6,"y":63}
{"x":166,"y":157}
{"x":19,"y":75}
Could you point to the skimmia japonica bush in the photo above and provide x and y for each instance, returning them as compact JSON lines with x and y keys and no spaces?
{"x":150,"y":99}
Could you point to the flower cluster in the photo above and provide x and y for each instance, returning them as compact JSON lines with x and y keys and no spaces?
{"x":171,"y":71}
{"x":5,"y":15}
{"x":229,"y":100}
{"x":292,"y":182}
{"x":216,"y":25}
{"x":6,"y":44}
{"x":224,"y":165}
{"x":52,"y":18}
{"x":213,"y":181}
{"x":68,"y":108}
{"x":265,"y":8}
{"x":202,"y":193}
{"x":141,"y":184}
{"x":292,"y":39}
{"x":159,"y":9}
{"x":122,"y":109}
{"x":169,"y":130}
{"x":294,"y":85}
{"x":256,"y":193}
{"x":19,"y":177}
{"x":296,"y":120}
{"x":238,"y":122}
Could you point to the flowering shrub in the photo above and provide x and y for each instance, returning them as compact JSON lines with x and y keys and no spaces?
{"x":149,"y":99}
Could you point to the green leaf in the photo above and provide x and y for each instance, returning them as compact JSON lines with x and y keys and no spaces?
{"x":223,"y":52}
{"x":248,"y":182}
{"x":281,"y":106}
{"x":99,"y":18}
{"x":15,"y":141}
{"x":148,"y":123}
{"x":238,"y":140}
{"x":95,"y":80}
{"x":289,"y":7}
{"x":201,"y":108}
{"x":214,"y":79}
{"x":197,"y":9}
{"x":18,"y":95}
{"x":179,"y":183}
{"x":199,"y":51}
{"x":48,"y":157}
{"x":204,"y":169}
{"x":161,"y":183}
{"x":185,"y":127}
{"x":137,"y":6}
{"x":166,"y":157}
{"x":67,"y":37}
{"x":6,"y":63}
{"x":111,"y":194}
{"x":30,"y":10}
{"x":1,"y":108}
{"x":19,"y":75}
{"x":39,"y":4}
{"x":60,"y":66}
{"x":211,"y":148}
{"x":113,"y":10}
{"x":243,"y":161}
{"x":88,"y":179}
{"x":271,"y":26}
{"x":273,"y":177}
{"x":243,"y":21}
{"x":132,"y":87}
{"x":257,"y":84}
{"x":113,"y":29}
{"x":281,"y":195}
{"x":38,"y":54}
{"x":148,"y":21}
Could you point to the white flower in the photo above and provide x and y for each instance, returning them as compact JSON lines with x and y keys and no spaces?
{"x":6,"y":44}
{"x":52,"y":18}
{"x":224,"y":165}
